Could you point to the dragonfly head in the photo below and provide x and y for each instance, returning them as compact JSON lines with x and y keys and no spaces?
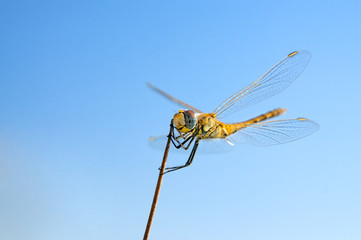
{"x":185,"y":121}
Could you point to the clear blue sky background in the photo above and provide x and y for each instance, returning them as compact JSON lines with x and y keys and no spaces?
{"x":75,"y":117}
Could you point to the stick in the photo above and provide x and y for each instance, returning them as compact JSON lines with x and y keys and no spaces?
{"x":159,"y":183}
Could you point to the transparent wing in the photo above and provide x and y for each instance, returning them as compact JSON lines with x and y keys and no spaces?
{"x":208,"y":146}
{"x":169,"y":97}
{"x":158,"y":142}
{"x":275,"y":132}
{"x":272,"y":82}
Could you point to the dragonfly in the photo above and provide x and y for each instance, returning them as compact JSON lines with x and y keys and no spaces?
{"x":192,"y":125}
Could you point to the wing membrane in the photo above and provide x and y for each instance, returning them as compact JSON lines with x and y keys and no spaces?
{"x":272,"y":82}
{"x":169,"y":97}
{"x":275,"y":132}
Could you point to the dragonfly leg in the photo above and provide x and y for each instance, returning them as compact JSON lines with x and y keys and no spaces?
{"x":192,"y":139}
{"x":189,"y":161}
{"x":177,"y":144}
{"x":183,"y":143}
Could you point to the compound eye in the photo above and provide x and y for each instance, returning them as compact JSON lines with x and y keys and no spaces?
{"x":190,"y":119}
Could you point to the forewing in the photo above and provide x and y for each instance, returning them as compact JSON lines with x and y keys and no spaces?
{"x":272,"y":82}
{"x":169,"y":97}
{"x":275,"y":132}
{"x":158,"y":142}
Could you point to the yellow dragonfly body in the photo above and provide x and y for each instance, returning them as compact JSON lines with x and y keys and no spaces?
{"x":209,"y":126}
{"x":192,"y":124}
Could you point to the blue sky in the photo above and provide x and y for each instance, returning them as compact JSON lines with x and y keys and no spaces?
{"x":75,"y":117}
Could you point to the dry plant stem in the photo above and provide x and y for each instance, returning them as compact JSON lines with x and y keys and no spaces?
{"x":159,"y":183}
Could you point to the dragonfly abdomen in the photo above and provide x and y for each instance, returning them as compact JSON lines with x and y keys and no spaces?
{"x":234,"y":127}
{"x":265,"y":116}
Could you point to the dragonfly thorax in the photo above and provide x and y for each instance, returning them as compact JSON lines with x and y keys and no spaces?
{"x":185,"y":121}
